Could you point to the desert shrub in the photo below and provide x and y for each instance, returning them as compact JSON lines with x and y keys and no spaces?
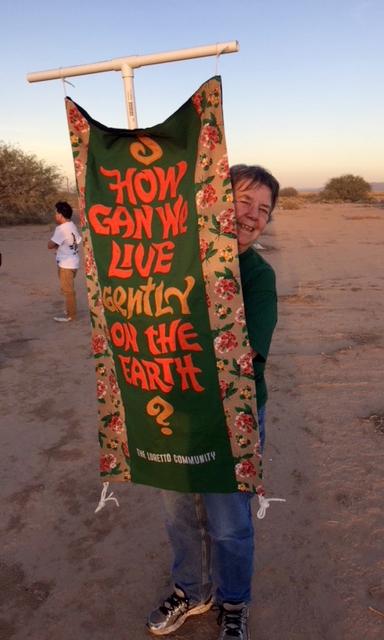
{"x":69,"y":196}
{"x":377,"y":198}
{"x":28,"y":187}
{"x":310,"y":197}
{"x":289,"y":192}
{"x":289,"y":203}
{"x":346,"y":188}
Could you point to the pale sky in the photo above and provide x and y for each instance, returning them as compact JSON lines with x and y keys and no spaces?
{"x":304,"y":97}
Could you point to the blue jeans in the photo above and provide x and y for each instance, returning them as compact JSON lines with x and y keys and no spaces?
{"x":211,"y":535}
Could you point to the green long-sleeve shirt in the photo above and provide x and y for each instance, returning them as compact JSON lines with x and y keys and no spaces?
{"x":260,"y":305}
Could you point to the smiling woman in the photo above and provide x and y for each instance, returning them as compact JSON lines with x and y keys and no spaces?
{"x":253,"y":211}
{"x":255,"y":193}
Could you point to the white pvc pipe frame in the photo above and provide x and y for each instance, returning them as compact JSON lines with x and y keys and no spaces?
{"x":127,"y":65}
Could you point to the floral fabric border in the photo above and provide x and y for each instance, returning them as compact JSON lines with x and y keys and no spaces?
{"x":114,"y":454}
{"x":219,"y":256}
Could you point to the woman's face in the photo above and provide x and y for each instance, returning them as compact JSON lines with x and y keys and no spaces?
{"x":253,"y":205}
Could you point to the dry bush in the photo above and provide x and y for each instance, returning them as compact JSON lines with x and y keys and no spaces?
{"x":310,"y":197}
{"x":347,"y":188}
{"x":376,"y":198}
{"x":69,"y":196}
{"x":28,"y":187}
{"x":289,"y":192}
{"x":289,"y":204}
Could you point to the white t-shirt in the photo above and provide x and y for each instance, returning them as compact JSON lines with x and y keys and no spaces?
{"x":68,"y":238}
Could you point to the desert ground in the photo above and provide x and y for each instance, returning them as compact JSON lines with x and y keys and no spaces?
{"x":68,"y":573}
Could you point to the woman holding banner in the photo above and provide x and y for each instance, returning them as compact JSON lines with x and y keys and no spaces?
{"x":211,"y":534}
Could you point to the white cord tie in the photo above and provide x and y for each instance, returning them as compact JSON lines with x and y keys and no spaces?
{"x":264,"y":505}
{"x":104,"y":498}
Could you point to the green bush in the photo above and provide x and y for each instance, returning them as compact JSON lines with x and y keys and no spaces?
{"x":346,"y":188}
{"x":288,"y":192}
{"x":28,"y":187}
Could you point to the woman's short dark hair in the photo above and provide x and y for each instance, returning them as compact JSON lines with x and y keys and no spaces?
{"x":256,"y":175}
{"x":64,"y":208}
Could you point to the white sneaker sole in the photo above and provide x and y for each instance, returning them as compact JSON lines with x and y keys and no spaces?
{"x":201,"y":608}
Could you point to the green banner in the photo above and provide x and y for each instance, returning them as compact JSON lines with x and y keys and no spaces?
{"x":174,"y":371}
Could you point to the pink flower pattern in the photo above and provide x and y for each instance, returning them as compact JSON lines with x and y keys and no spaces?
{"x":245,"y":422}
{"x":246,"y":469}
{"x":227,"y":221}
{"x":226,"y":288}
{"x":204,"y":246}
{"x":79,"y":166}
{"x":209,"y":137}
{"x":107,"y":462}
{"x":222,"y":168}
{"x":240,"y":315}
{"x":225,"y":342}
{"x":196,"y":101}
{"x":206,"y":197}
{"x":223,"y":388}
{"x":116,"y":424}
{"x":245,"y":363}
{"x":99,"y":344}
{"x":90,"y":264}
{"x":77,"y":121}
{"x":101,"y":389}
{"x":113,"y":383}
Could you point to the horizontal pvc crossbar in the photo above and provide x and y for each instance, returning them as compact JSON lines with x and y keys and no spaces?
{"x":135,"y":61}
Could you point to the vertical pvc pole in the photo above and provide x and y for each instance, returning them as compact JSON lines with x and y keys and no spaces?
{"x":129,"y":91}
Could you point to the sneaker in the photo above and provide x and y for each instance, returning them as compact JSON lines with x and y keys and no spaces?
{"x":62,"y":319}
{"x":234,"y":622}
{"x":173,"y":612}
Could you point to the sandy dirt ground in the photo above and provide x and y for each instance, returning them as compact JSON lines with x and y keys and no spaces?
{"x":68,"y":573}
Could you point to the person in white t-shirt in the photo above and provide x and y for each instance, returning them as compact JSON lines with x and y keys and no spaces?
{"x":66,"y":240}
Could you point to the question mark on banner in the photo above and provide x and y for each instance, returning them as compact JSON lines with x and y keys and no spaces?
{"x":161,"y":410}
{"x":146,"y":150}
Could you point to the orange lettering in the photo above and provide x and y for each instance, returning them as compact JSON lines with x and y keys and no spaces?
{"x":168,"y":181}
{"x":147,"y":185}
{"x":145,"y":177}
{"x":173,"y":219}
{"x":159,"y":296}
{"x":134,"y":302}
{"x":124,"y":336}
{"x":119,"y":298}
{"x":162,"y":340}
{"x":158,"y":374}
{"x":120,"y":185}
{"x":125,"y":269}
{"x":124,"y":362}
{"x":187,"y":371}
{"x":144,"y":269}
{"x":183,"y":338}
{"x":154,"y":380}
{"x":163,"y":259}
{"x":93,"y":213}
{"x":138,"y":375}
{"x":143,"y":219}
{"x":121,"y":218}
{"x":165,"y":363}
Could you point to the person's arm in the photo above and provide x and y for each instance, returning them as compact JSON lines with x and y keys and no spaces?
{"x":261,"y":313}
{"x":56,"y":239}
